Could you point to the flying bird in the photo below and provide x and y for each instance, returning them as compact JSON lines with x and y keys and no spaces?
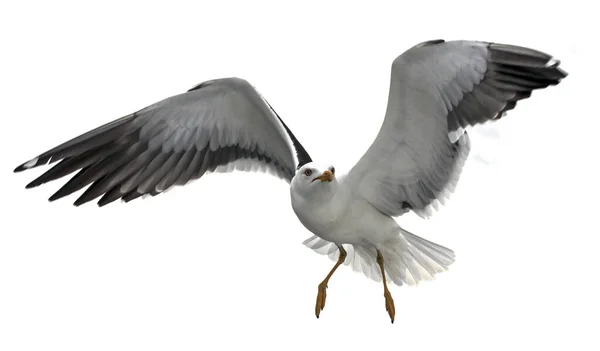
{"x":438,"y":89}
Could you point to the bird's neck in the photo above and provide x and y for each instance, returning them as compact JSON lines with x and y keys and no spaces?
{"x":319,"y":214}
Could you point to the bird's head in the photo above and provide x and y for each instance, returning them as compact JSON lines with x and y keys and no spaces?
{"x":314,"y":180}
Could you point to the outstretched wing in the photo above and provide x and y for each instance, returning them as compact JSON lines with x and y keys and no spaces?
{"x":217,"y":126}
{"x":437,"y":90}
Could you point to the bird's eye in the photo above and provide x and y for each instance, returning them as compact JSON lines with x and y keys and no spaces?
{"x":332,"y":169}
{"x":308,"y":172}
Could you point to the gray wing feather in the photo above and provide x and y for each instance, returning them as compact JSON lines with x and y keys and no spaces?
{"x":437,"y":90}
{"x":207,"y":129}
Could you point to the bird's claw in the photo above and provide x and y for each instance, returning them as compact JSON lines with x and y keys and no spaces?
{"x":389,"y":305}
{"x":321,"y":296}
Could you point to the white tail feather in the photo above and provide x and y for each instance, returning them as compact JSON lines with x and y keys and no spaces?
{"x":408,"y":259}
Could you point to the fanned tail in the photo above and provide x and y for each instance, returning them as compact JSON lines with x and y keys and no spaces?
{"x":408,"y":258}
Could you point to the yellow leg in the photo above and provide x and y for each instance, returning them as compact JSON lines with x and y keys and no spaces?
{"x":389,"y":301}
{"x":323,"y":286}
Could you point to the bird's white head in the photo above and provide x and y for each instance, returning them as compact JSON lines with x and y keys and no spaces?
{"x":314,"y":182}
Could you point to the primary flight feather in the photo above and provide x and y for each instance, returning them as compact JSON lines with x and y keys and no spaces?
{"x":438,"y":89}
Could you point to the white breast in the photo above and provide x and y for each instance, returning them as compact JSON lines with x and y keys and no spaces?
{"x":320,"y":219}
{"x":344,"y":221}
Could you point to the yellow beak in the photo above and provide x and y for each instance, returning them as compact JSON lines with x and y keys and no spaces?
{"x":327,"y":176}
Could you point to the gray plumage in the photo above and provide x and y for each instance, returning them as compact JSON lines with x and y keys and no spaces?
{"x":212,"y":127}
{"x":437,"y":90}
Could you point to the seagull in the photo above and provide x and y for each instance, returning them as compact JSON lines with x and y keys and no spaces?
{"x":438,"y":90}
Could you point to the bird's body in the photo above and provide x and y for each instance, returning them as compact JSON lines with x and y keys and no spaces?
{"x":337,"y":217}
{"x":438,"y":89}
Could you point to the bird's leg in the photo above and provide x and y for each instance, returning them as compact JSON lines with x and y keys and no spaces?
{"x":323,"y":286}
{"x":389,"y":301}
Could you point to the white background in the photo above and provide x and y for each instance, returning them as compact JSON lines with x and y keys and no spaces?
{"x":219,"y":264}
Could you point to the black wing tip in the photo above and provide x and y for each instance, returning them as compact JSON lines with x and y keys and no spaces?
{"x":83,"y":199}
{"x":524,"y":56}
{"x":104,"y":200}
{"x":43,"y":179}
{"x":20,"y":168}
{"x":561,"y":71}
{"x":80,"y":202}
{"x":553,"y":64}
{"x":34,"y":162}
{"x":55,"y":196}
{"x":101,"y":203}
{"x":33,"y":184}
